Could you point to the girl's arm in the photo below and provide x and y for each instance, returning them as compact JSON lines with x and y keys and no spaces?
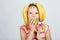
{"x":31,"y":32}
{"x":48,"y":36}
{"x":38,"y":33}
{"x":30,"y":35}
{"x":22,"y":34}
{"x":32,"y":28}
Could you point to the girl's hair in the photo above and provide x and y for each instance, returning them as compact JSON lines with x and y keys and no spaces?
{"x":32,"y":5}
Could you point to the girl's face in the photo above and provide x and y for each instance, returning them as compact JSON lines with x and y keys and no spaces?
{"x":33,"y":13}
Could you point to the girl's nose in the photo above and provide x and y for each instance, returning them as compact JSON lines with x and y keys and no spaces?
{"x":33,"y":15}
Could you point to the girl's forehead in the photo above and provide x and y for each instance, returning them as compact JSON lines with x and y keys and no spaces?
{"x":32,"y":8}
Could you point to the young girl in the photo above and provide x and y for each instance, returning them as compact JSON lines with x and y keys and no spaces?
{"x":34,"y":29}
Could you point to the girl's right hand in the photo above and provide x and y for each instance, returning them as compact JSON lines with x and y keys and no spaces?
{"x":33,"y":23}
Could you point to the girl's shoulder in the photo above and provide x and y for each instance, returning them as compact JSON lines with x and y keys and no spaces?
{"x":24,"y":28}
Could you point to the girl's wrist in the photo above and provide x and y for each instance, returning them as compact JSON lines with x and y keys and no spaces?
{"x":39,"y":36}
{"x":39,"y":39}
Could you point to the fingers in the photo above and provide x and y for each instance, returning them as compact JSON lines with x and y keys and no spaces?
{"x":33,"y":23}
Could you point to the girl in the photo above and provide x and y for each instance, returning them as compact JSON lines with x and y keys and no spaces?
{"x":33,"y":30}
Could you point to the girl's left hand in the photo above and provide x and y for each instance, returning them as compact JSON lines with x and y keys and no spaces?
{"x":38,"y":33}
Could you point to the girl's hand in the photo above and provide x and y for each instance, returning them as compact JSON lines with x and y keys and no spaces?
{"x":33,"y":23}
{"x":32,"y":29}
{"x":38,"y":33}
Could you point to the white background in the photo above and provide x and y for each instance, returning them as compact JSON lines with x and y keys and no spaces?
{"x":11,"y":17}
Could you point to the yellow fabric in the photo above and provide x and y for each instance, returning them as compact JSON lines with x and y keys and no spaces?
{"x":41,"y":13}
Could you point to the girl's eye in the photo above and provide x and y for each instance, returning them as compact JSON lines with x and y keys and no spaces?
{"x":30,"y":13}
{"x":36,"y":13}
